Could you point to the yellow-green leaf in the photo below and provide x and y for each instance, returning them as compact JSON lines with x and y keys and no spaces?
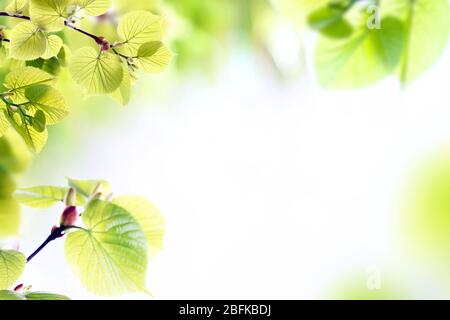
{"x":12,"y":265}
{"x":137,"y":28}
{"x":48,"y":100}
{"x":110,"y":257}
{"x":53,"y":46}
{"x":11,"y":295}
{"x":94,"y":7}
{"x":43,"y":197}
{"x":123,"y":93}
{"x":34,"y":139}
{"x":153,"y":56}
{"x":149,"y":218}
{"x":28,"y":42}
{"x":16,"y":6}
{"x":25,"y":77}
{"x":97,"y":72}
{"x":49,"y":14}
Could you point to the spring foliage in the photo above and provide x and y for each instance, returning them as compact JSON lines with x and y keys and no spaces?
{"x":35,"y":48}
{"x":362,"y":42}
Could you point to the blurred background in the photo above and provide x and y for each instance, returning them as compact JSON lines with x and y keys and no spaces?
{"x":271,"y":186}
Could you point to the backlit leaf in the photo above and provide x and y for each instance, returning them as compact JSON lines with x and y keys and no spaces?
{"x":12,"y":264}
{"x":94,"y":7}
{"x":48,"y":100}
{"x":97,"y":72}
{"x":49,"y":14}
{"x":28,"y":42}
{"x":153,"y":56}
{"x":110,"y":257}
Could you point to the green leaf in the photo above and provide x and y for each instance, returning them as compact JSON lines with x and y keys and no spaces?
{"x":149,"y":218}
{"x":9,"y":217}
{"x":4,"y":123}
{"x":11,"y":295}
{"x":94,"y":7}
{"x":51,"y":66}
{"x":153,"y":56}
{"x":123,"y":93}
{"x":12,"y":265}
{"x":44,"y":296}
{"x":43,"y":197}
{"x":137,"y":28}
{"x":49,"y":14}
{"x":34,"y":139}
{"x":48,"y":100}
{"x":366,"y":57}
{"x":16,"y":6}
{"x":28,"y":42}
{"x":25,"y":77}
{"x":110,"y":257}
{"x":87,"y":187}
{"x":427,"y":28}
{"x":97,"y":72}
{"x":330,"y":21}
{"x":53,"y":46}
{"x":39,"y":122}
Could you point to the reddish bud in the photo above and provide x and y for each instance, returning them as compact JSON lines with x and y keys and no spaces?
{"x":18,"y":288}
{"x":103,"y":43}
{"x":69,"y":216}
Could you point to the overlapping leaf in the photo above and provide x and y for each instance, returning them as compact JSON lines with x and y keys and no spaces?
{"x":12,"y":264}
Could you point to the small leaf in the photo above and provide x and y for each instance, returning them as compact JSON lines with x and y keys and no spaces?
{"x":44,"y":296}
{"x":97,"y":72}
{"x":149,"y":218}
{"x":110,"y":257}
{"x":123,"y":93}
{"x":94,"y":7}
{"x":12,"y":265}
{"x":49,"y":14}
{"x":43,"y":197}
{"x":87,"y":187}
{"x":39,"y":121}
{"x":137,"y":28}
{"x":153,"y":56}
{"x":48,"y":100}
{"x":11,"y":295}
{"x":28,"y":42}
{"x":53,"y":46}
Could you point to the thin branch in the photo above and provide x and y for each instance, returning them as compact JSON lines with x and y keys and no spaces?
{"x":17,"y":16}
{"x":90,"y":35}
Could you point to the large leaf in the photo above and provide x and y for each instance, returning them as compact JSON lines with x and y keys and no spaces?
{"x":366,"y":57}
{"x":49,"y":14}
{"x":43,"y":197}
{"x":97,"y":72}
{"x":15,"y":156}
{"x":12,"y":264}
{"x":149,"y":218}
{"x":11,"y":295}
{"x":110,"y":257}
{"x":153,"y":56}
{"x":94,"y":7}
{"x":28,"y":42}
{"x":137,"y":28}
{"x":48,"y":100}
{"x":123,"y":93}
